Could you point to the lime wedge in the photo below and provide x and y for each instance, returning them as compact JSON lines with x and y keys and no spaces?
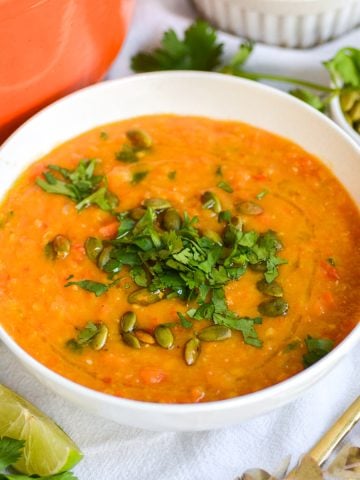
{"x":48,"y":450}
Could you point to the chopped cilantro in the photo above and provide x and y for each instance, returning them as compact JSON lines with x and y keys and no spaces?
{"x":97,"y":288}
{"x":81,"y":185}
{"x":104,"y":135}
{"x":317,"y":348}
{"x":331,"y":261}
{"x":225,"y":186}
{"x":172,"y":175}
{"x":218,"y":171}
{"x":139,"y":176}
{"x":184,"y":321}
{"x":262,"y":194}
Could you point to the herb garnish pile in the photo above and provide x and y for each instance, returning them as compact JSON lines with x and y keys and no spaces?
{"x":200,"y":49}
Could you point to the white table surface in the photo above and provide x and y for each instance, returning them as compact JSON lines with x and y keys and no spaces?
{"x":115,"y":452}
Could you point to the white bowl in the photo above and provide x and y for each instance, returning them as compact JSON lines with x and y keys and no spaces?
{"x":289,"y":23}
{"x":338,"y":116}
{"x":194,"y":93}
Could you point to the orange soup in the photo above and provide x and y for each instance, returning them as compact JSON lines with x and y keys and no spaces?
{"x":178,"y":259}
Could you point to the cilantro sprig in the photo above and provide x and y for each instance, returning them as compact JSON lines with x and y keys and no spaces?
{"x":10,"y":452}
{"x":200,"y":49}
{"x":317,"y":348}
{"x":81,"y":185}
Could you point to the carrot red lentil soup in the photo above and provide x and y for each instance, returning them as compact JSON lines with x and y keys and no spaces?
{"x":178,"y":259}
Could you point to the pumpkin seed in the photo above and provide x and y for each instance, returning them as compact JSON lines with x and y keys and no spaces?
{"x":99,"y":340}
{"x":273,"y":289}
{"x":171,"y":220}
{"x":273,"y":308}
{"x":249,"y":208}
{"x":348,"y":100}
{"x":139,"y":139}
{"x":354,"y":113}
{"x":237,"y":222}
{"x":61,"y":246}
{"x":137,"y":213}
{"x":145,"y":337}
{"x":157,"y":203}
{"x":211,"y":201}
{"x":128,"y":322}
{"x":163,"y":336}
{"x":104,"y":257}
{"x":93,"y":247}
{"x":258,"y":267}
{"x":214,"y":333}
{"x":130,"y":340}
{"x":214,"y":236}
{"x":192,"y":351}
{"x":144,"y":297}
{"x":49,"y":251}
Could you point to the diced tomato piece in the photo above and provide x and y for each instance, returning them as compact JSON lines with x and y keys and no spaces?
{"x":109,"y":230}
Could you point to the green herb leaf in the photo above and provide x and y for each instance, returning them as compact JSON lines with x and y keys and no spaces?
{"x":80,"y":185}
{"x":104,"y":135}
{"x":172,"y":175}
{"x":97,"y":288}
{"x":310,"y":98}
{"x":242,"y":55}
{"x":199,"y":50}
{"x":344,"y":67}
{"x":10,"y":451}
{"x":139,"y":176}
{"x":262,"y":194}
{"x":317,"y":348}
{"x":184,"y":321}
{"x":225,"y":186}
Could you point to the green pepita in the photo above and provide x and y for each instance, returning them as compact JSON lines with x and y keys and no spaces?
{"x":273,"y":308}
{"x":61,"y":246}
{"x":144,"y":297}
{"x":249,"y":208}
{"x":93,"y":247}
{"x":192,"y":351}
{"x":214,"y":333}
{"x":273,"y":289}
{"x":145,"y":337}
{"x":128,"y":322}
{"x":104,"y":257}
{"x":163,"y":336}
{"x":211,"y":201}
{"x":131,"y":341}
{"x":157,"y":203}
{"x":171,"y":220}
{"x":139,"y":139}
{"x":214,"y":236}
{"x":99,"y":340}
{"x":137,"y":213}
{"x":348,"y":100}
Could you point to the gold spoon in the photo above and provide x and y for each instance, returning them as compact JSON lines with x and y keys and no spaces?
{"x":329,"y":441}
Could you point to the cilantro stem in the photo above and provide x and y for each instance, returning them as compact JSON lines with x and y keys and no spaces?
{"x":280,"y":78}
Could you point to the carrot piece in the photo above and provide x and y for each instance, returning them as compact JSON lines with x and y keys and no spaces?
{"x":109,"y":230}
{"x":330,"y":271}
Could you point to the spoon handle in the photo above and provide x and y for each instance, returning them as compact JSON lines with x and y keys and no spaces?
{"x":325,"y":446}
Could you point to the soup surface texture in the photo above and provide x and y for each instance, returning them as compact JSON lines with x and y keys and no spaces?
{"x":272,"y":261}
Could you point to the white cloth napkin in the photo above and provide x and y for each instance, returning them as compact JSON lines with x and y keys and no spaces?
{"x":115,"y":452}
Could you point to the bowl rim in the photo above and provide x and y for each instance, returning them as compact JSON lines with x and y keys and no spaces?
{"x":290,"y":384}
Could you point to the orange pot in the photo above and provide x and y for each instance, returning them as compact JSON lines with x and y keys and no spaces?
{"x":52,"y":47}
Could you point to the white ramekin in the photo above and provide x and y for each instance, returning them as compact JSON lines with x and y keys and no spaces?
{"x":184,"y":93}
{"x":288,"y":23}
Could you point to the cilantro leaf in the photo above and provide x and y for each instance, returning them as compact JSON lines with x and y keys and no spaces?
{"x":97,"y":288}
{"x":317,"y":348}
{"x":242,"y":54}
{"x":199,"y":50}
{"x":310,"y":98}
{"x":81,"y":185}
{"x":344,"y":67}
{"x":225,"y":186}
{"x":10,"y":451}
{"x":139,"y":176}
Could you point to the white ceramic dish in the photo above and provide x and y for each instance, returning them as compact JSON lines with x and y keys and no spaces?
{"x":289,"y":23}
{"x":211,"y":95}
{"x":338,"y":116}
